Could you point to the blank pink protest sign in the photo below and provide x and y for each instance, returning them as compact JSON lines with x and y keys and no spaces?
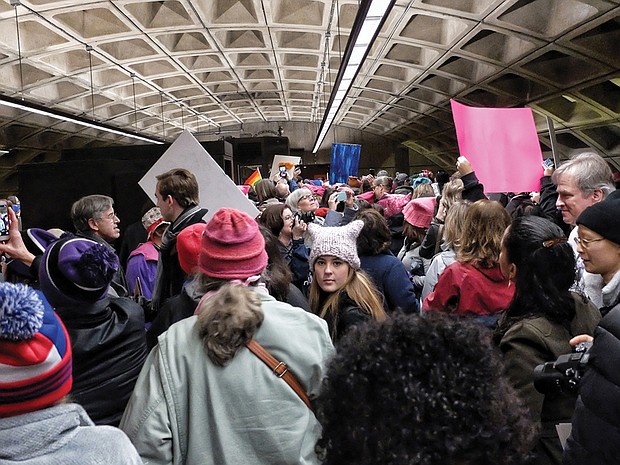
{"x":502,"y":146}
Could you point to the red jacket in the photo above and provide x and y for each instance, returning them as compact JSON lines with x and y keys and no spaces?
{"x":465,"y":289}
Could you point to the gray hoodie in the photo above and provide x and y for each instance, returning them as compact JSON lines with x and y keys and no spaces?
{"x":62,"y":435}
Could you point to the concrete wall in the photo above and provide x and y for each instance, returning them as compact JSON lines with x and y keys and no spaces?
{"x":377,"y":152}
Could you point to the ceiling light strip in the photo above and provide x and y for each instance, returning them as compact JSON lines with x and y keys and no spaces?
{"x":370,"y":18}
{"x":72,"y":119}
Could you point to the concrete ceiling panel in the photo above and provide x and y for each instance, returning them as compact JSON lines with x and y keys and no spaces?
{"x":299,"y":12}
{"x":238,"y":61}
{"x":128,"y":49}
{"x":157,"y":15}
{"x":93,"y":22}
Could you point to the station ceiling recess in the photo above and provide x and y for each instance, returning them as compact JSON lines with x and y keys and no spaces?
{"x":155,"y":68}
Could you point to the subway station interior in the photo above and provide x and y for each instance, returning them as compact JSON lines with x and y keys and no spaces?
{"x":229,"y":70}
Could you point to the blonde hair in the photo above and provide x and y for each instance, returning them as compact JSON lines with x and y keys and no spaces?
{"x":452,"y":192}
{"x":485,"y":223}
{"x":228,"y":320}
{"x":454,"y":223}
{"x":359,"y":288}
{"x":422,"y":190}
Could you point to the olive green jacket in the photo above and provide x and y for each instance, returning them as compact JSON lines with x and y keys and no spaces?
{"x":531,"y":342}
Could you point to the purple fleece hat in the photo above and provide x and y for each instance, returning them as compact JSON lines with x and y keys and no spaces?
{"x":76,"y":270}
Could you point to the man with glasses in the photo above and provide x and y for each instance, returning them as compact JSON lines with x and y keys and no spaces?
{"x":580,"y":182}
{"x":93,"y":217}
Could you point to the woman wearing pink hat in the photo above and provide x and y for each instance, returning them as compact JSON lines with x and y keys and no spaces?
{"x":340,"y":292}
{"x":418,"y":216}
{"x":204,"y":395}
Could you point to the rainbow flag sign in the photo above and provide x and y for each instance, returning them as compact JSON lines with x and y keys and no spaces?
{"x":254,"y":178}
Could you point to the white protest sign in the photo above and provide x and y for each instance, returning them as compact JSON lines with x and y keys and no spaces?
{"x":217,"y":190}
{"x":288,"y":162}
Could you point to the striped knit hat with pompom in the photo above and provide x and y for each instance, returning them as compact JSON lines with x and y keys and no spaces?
{"x":35,"y":352}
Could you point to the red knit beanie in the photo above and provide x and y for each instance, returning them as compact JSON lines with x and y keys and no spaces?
{"x":232,"y":246}
{"x":189,"y":243}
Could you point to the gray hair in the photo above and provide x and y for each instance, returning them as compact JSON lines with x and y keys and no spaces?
{"x":283,"y":189}
{"x":589,"y":171}
{"x":90,"y":206}
{"x":294,"y":197}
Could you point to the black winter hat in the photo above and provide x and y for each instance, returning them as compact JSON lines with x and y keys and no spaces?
{"x":603,"y":218}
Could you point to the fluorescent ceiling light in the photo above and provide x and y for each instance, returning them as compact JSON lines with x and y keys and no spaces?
{"x":75,"y":120}
{"x":368,"y":22}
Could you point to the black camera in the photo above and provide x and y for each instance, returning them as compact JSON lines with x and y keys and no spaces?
{"x":306,"y":217}
{"x":563,"y":375}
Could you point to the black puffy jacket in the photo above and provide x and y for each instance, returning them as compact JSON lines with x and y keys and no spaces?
{"x":109,"y":349}
{"x":595,"y":435}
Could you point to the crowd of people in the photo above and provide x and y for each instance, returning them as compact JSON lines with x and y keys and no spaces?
{"x":384,"y":320}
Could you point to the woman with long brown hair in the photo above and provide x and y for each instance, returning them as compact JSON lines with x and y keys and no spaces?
{"x":340,"y":292}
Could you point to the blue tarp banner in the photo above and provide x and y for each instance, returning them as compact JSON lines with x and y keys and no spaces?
{"x":345,"y":162}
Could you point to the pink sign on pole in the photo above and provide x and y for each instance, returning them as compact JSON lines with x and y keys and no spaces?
{"x":502,"y":146}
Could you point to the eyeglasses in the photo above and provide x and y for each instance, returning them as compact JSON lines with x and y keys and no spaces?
{"x":305,"y":197}
{"x":585,"y":243}
{"x":109,"y":217}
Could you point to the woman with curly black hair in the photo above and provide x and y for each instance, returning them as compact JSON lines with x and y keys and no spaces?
{"x":424,"y":390}
{"x":542,"y":317}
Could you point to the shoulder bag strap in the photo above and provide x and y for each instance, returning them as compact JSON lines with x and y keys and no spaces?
{"x":280,"y":369}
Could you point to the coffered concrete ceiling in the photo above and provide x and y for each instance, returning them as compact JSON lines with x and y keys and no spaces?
{"x":158,"y":67}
